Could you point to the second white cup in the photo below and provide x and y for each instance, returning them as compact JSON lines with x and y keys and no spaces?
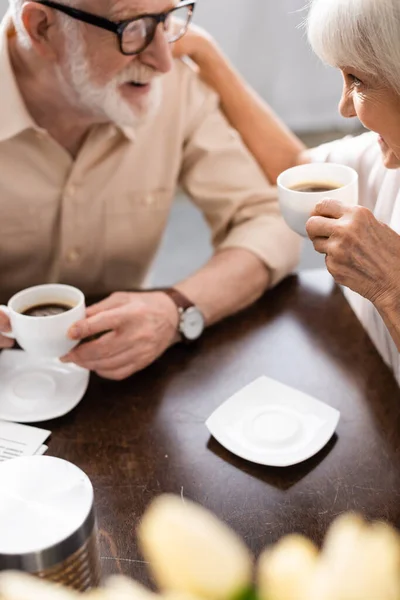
{"x":297,"y":206}
{"x":45,"y":336}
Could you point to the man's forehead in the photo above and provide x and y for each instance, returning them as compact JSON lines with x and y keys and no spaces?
{"x":128,"y":8}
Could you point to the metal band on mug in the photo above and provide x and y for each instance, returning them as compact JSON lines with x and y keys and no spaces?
{"x":34,"y":562}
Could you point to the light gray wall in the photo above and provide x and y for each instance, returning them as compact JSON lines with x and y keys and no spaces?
{"x":266,"y":42}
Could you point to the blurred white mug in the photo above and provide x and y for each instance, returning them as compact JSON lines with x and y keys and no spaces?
{"x":45,"y":336}
{"x":335,"y":181}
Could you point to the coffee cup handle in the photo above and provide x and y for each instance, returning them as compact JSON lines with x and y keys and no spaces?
{"x":6,"y":311}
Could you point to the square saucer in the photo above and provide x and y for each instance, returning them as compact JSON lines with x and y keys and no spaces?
{"x":272,"y":424}
{"x":35,"y":389}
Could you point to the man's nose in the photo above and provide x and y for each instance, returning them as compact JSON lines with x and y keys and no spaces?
{"x":158,"y":54}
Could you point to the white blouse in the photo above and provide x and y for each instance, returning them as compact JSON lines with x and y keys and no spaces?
{"x":380,"y":192}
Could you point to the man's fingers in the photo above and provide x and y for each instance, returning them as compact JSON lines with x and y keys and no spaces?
{"x":113,"y":301}
{"x":119,"y":361}
{"x":4,"y":322}
{"x":5,"y":327}
{"x":6,"y":342}
{"x":99,"y":307}
{"x":105,"y":347}
{"x":320,"y":227}
{"x":117,"y":375}
{"x":332,"y":209}
{"x":105,"y":321}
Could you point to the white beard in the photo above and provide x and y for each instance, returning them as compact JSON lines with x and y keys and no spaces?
{"x":105,"y":101}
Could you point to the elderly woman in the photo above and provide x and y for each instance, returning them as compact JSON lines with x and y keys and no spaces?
{"x":361,"y":244}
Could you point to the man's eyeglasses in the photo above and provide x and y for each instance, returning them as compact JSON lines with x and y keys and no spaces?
{"x":136,"y":34}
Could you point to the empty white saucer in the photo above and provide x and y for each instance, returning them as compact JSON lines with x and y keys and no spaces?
{"x":34,"y":389}
{"x":272,"y":424}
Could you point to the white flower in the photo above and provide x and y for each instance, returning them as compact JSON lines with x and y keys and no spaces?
{"x":15,"y":585}
{"x":191,"y":551}
{"x":359,"y":562}
{"x":118,"y":587}
{"x":284,"y":572}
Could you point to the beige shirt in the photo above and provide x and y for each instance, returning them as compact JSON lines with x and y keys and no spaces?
{"x":380,"y":192}
{"x":96,"y":222}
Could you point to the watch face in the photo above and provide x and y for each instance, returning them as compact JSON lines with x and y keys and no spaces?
{"x":192,"y":323}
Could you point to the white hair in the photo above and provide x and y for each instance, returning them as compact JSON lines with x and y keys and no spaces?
{"x":362,"y":34}
{"x":16,"y":7}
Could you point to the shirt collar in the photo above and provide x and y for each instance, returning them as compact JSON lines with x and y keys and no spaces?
{"x":129,"y":133}
{"x":14,"y":116}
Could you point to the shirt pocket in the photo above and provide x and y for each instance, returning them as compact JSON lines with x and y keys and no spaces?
{"x":134,"y":227}
{"x":24,"y":235}
{"x":18,"y":219}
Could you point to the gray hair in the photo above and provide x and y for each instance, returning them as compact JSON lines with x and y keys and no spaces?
{"x":16,"y":7}
{"x":362,"y":34}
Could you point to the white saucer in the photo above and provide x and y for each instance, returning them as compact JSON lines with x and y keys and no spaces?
{"x":34,"y":389}
{"x":272,"y":424}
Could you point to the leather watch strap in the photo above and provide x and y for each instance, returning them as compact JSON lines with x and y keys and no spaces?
{"x":178,"y":298}
{"x":191,"y":320}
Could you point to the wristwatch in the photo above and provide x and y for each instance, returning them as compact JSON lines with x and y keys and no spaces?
{"x":191,"y":320}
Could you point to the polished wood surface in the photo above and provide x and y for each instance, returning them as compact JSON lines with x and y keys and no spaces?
{"x":138,"y":438}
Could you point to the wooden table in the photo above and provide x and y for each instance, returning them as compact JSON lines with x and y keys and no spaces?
{"x":146,"y":435}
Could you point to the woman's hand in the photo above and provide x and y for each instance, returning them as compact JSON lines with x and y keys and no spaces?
{"x":196,"y":43}
{"x":361,"y":252}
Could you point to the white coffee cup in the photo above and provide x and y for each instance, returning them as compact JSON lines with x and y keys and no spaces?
{"x":297,"y":206}
{"x":45,"y":336}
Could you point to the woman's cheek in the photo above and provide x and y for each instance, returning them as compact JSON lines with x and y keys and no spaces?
{"x":366,"y":114}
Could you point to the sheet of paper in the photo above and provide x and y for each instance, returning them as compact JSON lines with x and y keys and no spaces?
{"x":42,"y":450}
{"x":20,"y":440}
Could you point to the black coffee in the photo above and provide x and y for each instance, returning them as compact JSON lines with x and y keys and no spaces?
{"x":46,"y":310}
{"x":315,"y":186}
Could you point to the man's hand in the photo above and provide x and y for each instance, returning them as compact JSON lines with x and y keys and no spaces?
{"x":361,"y":252}
{"x":5,"y":327}
{"x":139,"y":326}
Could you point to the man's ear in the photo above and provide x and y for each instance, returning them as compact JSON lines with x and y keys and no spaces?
{"x":41,"y":27}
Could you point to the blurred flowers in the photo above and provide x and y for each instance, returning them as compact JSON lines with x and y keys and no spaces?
{"x":191,"y":551}
{"x":285,"y":571}
{"x":194,"y":556}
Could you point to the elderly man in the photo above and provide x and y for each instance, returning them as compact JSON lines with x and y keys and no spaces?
{"x":98,"y":125}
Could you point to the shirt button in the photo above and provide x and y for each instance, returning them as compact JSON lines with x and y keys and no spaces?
{"x":112,"y":131}
{"x":73,"y":255}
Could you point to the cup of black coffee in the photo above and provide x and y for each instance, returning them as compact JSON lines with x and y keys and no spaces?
{"x":315,"y":187}
{"x":47,"y":310}
{"x":41,"y":316}
{"x":301,"y":188}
